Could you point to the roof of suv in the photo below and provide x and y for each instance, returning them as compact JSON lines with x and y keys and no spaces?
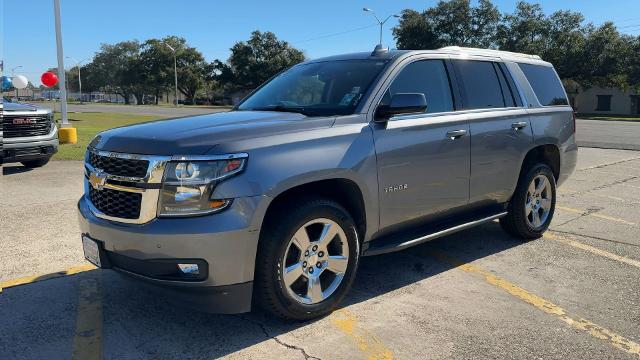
{"x":451,"y":50}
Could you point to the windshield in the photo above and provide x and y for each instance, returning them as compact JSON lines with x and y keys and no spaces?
{"x":317,"y":89}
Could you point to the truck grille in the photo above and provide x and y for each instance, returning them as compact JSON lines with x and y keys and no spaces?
{"x":119,"y":166}
{"x":21,"y":125}
{"x":121,"y":204}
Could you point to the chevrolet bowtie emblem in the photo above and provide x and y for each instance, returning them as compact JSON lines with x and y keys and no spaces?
{"x":97,"y":179}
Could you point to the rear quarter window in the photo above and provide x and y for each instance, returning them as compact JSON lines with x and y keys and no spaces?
{"x":545,"y":84}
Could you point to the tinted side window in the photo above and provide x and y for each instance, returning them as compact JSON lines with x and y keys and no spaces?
{"x":545,"y":84}
{"x":428,"y":77}
{"x":507,"y":95}
{"x":480,"y":85}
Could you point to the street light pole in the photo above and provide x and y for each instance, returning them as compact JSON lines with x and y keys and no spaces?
{"x":12,"y":70}
{"x":175,"y":72}
{"x":79,"y":75}
{"x":380,"y":22}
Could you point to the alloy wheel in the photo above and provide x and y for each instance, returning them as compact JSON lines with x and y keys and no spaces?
{"x":315,"y":261}
{"x":538,"y":204}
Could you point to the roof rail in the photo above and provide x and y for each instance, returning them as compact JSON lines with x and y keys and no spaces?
{"x":490,"y":52}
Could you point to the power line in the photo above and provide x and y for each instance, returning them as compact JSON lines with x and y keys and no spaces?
{"x":335,"y":34}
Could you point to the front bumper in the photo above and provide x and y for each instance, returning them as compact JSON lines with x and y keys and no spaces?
{"x":30,"y":148}
{"x":226,"y":242}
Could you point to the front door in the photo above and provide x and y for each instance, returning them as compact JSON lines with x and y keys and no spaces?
{"x":423,"y":159}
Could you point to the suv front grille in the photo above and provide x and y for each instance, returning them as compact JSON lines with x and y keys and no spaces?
{"x":121,"y":204}
{"x":24,"y":125}
{"x":119,"y":166}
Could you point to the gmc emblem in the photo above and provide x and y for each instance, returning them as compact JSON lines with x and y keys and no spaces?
{"x":23,"y":121}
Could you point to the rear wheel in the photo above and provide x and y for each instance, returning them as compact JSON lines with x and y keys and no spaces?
{"x":533,"y":204}
{"x":36,"y":163}
{"x":307,"y":261}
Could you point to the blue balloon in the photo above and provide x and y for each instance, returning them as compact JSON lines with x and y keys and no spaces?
{"x":6,"y":83}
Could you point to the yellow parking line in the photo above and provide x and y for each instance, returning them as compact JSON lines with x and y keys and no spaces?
{"x":368,"y":343}
{"x":548,"y":307}
{"x":87,"y":342}
{"x":592,"y":249}
{"x":36,"y":278}
{"x":597,"y":215}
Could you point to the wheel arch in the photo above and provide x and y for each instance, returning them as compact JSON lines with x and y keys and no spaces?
{"x":344,"y":191}
{"x":545,"y":153}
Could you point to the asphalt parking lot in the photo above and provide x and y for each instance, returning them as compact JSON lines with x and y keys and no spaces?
{"x":574,"y":294}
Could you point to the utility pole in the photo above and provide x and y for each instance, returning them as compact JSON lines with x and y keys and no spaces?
{"x":79,"y":75}
{"x":67,"y":134}
{"x":175,"y":71}
{"x":61,"y":74}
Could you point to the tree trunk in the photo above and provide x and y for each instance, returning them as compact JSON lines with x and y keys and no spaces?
{"x":157,"y":96}
{"x":139,"y":96}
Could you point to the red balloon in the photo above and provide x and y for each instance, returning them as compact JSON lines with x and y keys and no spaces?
{"x":49,"y":79}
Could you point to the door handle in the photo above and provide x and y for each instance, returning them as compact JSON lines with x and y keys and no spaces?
{"x":519,"y":125}
{"x":456,"y":134}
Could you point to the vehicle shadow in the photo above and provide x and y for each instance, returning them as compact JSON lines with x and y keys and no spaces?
{"x":14,"y":169}
{"x":42,"y":318}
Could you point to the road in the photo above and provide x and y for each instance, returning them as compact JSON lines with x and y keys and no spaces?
{"x":609,"y":134}
{"x":477,"y":294}
{"x":138,"y":110}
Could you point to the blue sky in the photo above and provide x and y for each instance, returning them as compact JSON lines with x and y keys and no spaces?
{"x":28,"y":37}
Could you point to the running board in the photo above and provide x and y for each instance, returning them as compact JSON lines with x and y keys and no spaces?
{"x":398,"y":246}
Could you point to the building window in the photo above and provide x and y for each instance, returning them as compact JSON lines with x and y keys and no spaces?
{"x":604,"y":103}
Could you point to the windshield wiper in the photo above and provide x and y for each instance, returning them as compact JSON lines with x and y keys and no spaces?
{"x":281,"y":108}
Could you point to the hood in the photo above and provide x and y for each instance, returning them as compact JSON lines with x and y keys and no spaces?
{"x":197,"y":135}
{"x":9,"y":106}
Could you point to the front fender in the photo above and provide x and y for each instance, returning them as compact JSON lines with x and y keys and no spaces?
{"x":280,"y":162}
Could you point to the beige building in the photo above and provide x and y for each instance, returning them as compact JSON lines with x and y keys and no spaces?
{"x":609,"y":101}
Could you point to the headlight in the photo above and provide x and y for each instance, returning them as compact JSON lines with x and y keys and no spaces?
{"x":188,"y":185}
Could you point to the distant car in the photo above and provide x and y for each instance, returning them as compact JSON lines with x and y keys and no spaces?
{"x":29,"y":134}
{"x":275,"y":202}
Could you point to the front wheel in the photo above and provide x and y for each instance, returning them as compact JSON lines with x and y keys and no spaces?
{"x":532,"y":206}
{"x":306,"y":262}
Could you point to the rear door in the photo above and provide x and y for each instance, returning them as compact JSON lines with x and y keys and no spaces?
{"x":499,"y":125}
{"x":423,"y":159}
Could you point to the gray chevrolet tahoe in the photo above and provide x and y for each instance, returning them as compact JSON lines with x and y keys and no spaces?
{"x":28,"y":135}
{"x":274,"y":202}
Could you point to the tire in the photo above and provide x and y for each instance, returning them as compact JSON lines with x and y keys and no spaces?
{"x":36,"y":163}
{"x":279,"y":250}
{"x":520,"y":221}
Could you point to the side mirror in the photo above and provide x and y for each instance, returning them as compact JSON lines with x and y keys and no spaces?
{"x":406,"y":103}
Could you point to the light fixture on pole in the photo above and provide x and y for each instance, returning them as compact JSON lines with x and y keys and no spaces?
{"x":175,"y":71}
{"x":79,"y":77}
{"x":380,"y":22}
{"x":12,"y":75}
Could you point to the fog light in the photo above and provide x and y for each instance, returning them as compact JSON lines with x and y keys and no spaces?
{"x":189,"y":269}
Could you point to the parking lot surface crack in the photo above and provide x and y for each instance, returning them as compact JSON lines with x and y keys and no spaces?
{"x":593,"y":237}
{"x":609,"y":164}
{"x":603,"y":186}
{"x":264,"y":330}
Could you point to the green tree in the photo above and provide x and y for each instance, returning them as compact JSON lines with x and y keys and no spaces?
{"x":253,"y":62}
{"x":157,"y":62}
{"x":453,"y":22}
{"x":606,"y":57}
{"x":116,"y":68}
{"x":415,"y":32}
{"x":526,"y":30}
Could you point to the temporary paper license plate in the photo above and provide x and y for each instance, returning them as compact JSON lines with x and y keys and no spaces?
{"x":91,"y":251}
